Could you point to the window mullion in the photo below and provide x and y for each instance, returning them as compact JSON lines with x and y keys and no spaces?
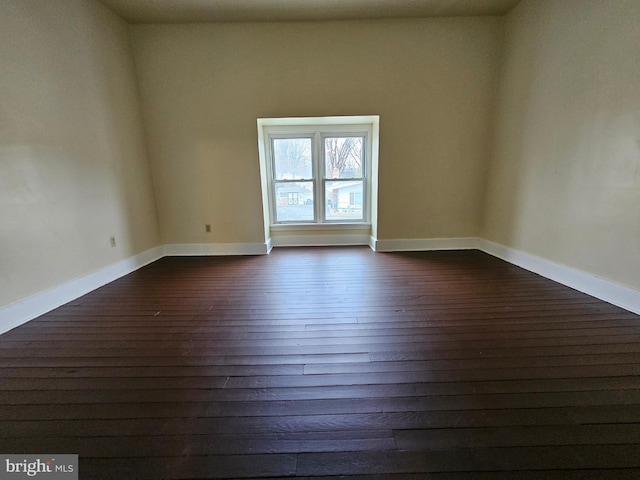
{"x":319,"y":182}
{"x":272,"y":179}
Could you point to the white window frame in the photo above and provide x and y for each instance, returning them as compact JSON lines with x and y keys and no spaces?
{"x":317,"y":133}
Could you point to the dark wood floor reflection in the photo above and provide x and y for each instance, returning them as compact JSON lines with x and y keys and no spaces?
{"x":329,"y":362}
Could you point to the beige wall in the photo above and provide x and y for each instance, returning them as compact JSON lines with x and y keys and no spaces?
{"x":431,"y":81}
{"x":564,"y":182}
{"x":73,"y":165}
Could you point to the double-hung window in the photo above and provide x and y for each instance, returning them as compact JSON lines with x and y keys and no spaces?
{"x":319,"y":175}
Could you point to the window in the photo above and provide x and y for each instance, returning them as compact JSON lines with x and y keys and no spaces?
{"x":319,"y":174}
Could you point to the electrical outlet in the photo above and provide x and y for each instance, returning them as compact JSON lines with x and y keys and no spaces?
{"x":207,"y":228}
{"x":112,"y":240}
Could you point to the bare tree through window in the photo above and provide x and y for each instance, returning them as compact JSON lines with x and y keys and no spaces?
{"x":343,"y":157}
{"x":292,"y":158}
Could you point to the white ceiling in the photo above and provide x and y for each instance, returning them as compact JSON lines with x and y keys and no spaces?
{"x":184,"y":11}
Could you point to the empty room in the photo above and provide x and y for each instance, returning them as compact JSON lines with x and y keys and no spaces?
{"x":321,"y":239}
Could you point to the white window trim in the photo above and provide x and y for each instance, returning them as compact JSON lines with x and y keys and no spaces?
{"x":268,"y":126}
{"x":277,"y":227}
{"x":318,"y":179}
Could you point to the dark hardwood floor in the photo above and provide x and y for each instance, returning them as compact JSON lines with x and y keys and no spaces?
{"x":327,"y":362}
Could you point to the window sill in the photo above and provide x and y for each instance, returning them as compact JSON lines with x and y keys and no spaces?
{"x":281,"y":227}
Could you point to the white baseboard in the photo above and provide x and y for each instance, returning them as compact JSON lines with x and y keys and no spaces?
{"x":611,"y":292}
{"x":425,"y":244}
{"x":22,"y":311}
{"x":15,"y":314}
{"x":319,"y":240}
{"x":203,"y":249}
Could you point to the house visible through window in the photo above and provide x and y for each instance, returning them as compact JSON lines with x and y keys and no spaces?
{"x":319,"y":175}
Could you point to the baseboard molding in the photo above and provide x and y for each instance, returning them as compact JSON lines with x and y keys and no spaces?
{"x":20,"y":312}
{"x":606,"y":290}
{"x":424,"y":244}
{"x":319,"y":240}
{"x":373,"y":242}
{"x":205,"y":249}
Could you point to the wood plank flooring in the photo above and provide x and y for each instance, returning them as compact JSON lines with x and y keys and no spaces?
{"x":329,"y":362}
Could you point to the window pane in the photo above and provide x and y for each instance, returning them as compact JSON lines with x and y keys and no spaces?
{"x":292,"y":158}
{"x":343,"y":157}
{"x":294,"y":202}
{"x":344,"y":200}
